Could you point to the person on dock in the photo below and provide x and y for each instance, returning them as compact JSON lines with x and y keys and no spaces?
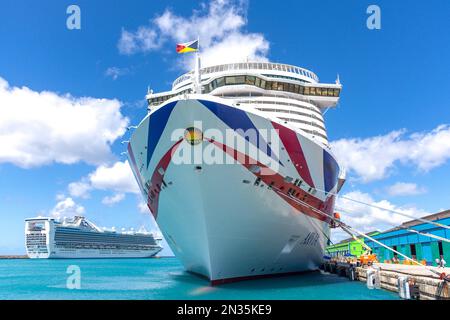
{"x":441,"y":262}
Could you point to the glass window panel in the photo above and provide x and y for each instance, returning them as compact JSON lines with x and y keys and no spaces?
{"x":280,"y":87}
{"x":296,"y":88}
{"x":220,"y":82}
{"x":318,"y":91}
{"x":274,"y":85}
{"x":257,"y":82}
{"x":230,"y":80}
{"x":291,"y":88}
{"x":240,"y":79}
{"x":263,"y":84}
{"x":250,"y":80}
{"x":312,"y":91}
{"x":306,"y":90}
{"x":336,"y":92}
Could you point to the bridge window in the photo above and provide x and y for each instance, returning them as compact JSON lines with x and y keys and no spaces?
{"x":263,"y":83}
{"x":240,"y":79}
{"x":220,"y":82}
{"x":250,"y":80}
{"x":256,"y":81}
{"x":230,"y":80}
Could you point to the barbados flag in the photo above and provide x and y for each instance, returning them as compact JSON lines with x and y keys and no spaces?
{"x":187,"y":47}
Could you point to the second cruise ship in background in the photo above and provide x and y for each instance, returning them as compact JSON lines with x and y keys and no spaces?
{"x":79,"y":238}
{"x":247,"y":219}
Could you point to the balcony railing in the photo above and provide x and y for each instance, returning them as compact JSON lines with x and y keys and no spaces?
{"x":250,"y":66}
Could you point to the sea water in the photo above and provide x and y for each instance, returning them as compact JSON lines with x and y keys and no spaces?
{"x":162,"y":278}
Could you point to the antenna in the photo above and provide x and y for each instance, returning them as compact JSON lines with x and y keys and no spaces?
{"x":338,"y":81}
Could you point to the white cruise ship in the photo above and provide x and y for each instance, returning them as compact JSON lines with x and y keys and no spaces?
{"x":258,"y":176}
{"x":79,"y":238}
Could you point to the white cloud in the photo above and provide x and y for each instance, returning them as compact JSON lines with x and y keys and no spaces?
{"x":375,"y":158}
{"x":220,"y":27}
{"x":143,"y":208}
{"x":365,"y":218}
{"x":112,"y":200}
{"x":39,"y":128}
{"x":115,"y":72}
{"x":405,"y":189}
{"x":117,"y":178}
{"x":79,"y":189}
{"x":66,"y":208}
{"x":144,"y":39}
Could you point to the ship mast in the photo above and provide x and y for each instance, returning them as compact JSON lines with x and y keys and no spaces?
{"x":197,"y":77}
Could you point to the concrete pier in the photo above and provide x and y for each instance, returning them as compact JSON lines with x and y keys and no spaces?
{"x":429,"y":285}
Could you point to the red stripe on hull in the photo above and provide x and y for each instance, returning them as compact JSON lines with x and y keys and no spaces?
{"x":280,"y":186}
{"x":289,"y":192}
{"x":157,"y":179}
{"x":294,"y":149}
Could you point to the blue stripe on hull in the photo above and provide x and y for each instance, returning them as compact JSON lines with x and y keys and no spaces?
{"x":238,"y":119}
{"x":157,"y":123}
{"x":330,"y":171}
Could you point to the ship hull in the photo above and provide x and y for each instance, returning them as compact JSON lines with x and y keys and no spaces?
{"x":94,"y":254}
{"x":226,"y":221}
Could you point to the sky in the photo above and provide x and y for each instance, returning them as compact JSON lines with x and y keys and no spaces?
{"x":67,"y":97}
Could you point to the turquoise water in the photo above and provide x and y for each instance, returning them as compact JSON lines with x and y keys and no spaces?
{"x":162,"y":279}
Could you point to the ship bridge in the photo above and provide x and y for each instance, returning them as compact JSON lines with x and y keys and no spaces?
{"x":286,"y":92}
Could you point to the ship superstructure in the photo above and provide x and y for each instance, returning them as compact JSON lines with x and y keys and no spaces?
{"x":253,"y":214}
{"x":80,"y":238}
{"x":283,"y":91}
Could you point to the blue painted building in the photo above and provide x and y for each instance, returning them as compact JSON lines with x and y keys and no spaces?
{"x":419,"y":247}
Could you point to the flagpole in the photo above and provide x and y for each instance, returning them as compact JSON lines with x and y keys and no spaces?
{"x":198,"y":83}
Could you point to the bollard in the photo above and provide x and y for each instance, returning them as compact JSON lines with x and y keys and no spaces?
{"x":403,"y":287}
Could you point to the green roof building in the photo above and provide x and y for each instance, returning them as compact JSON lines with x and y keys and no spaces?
{"x":348,"y":247}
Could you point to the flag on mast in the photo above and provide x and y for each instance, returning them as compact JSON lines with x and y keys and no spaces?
{"x":187,"y":47}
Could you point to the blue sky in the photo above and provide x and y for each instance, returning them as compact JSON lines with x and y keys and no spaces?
{"x":391,"y":128}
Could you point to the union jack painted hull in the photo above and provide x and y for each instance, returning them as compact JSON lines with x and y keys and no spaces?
{"x":231,"y":221}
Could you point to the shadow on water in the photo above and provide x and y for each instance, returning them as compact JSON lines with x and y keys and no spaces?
{"x":304,"y":280}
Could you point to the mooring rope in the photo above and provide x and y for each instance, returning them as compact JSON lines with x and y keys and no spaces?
{"x":385,"y":209}
{"x":405,"y":228}
{"x":342,"y":224}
